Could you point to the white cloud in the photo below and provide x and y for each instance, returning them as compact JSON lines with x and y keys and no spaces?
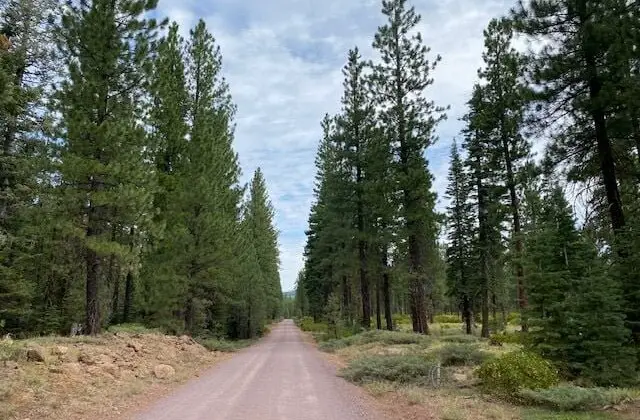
{"x":283,"y":60}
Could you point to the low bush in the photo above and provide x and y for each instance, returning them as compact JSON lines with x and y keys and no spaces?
{"x":513,"y":318}
{"x":401,"y":369}
{"x":308,"y":324}
{"x":459,"y":338}
{"x":133,"y":329}
{"x":10,"y":350}
{"x":506,"y":375}
{"x":575,"y":398}
{"x":227,"y":346}
{"x":509,"y":338}
{"x":375,"y":336}
{"x":401,"y":319}
{"x":447,"y":319}
{"x":457,"y":354}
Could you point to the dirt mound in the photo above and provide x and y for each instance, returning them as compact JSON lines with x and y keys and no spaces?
{"x":67,"y":378}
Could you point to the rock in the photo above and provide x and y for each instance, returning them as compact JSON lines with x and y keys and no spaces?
{"x":10,"y":364}
{"x":137,"y":347}
{"x":71,"y":368}
{"x":186,"y":339}
{"x":59,"y":350}
{"x":111,"y":369}
{"x":104,"y":359}
{"x":163,"y":371}
{"x":36,"y":354}
{"x":86,"y":358}
{"x":56,"y":369}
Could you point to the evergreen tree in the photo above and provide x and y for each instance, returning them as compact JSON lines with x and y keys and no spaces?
{"x":584,"y":76}
{"x":264,"y":238}
{"x":27,"y":60}
{"x":409,"y":120}
{"x":209,"y":194}
{"x":576,"y":307}
{"x":163,"y":287}
{"x":504,"y":100}
{"x":355,"y":126}
{"x":461,"y":235}
{"x":103,"y":169}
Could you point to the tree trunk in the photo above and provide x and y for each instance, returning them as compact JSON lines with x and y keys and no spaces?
{"x":378,"y":308}
{"x":129,"y":287}
{"x":484,"y":256}
{"x":189,"y":314}
{"x":92,"y":293}
{"x":386,"y":291}
{"x":128,"y":298}
{"x":115,"y":299}
{"x":466,"y":314}
{"x":346,"y":298}
{"x":364,"y":287}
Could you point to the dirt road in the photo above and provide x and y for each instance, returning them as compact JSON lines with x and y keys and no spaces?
{"x":282,"y":378}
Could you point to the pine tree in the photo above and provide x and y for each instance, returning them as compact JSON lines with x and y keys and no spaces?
{"x":504,"y":99}
{"x":209,"y":194}
{"x":583,"y":75}
{"x":27,"y":61}
{"x":576,"y":307}
{"x":104,"y":171}
{"x":461,"y":231}
{"x":409,"y":120}
{"x":264,"y":238}
{"x":162,"y":285}
{"x":355,"y":125}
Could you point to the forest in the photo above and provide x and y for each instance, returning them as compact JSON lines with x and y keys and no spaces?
{"x":121,"y":198}
{"x":549,"y":238}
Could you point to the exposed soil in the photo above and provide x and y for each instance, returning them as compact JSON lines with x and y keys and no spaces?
{"x":102,"y":378}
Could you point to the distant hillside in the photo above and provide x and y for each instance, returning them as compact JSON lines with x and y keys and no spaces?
{"x":289,"y":295}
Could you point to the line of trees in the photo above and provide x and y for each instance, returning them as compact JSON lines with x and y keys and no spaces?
{"x":120,"y":192}
{"x":509,"y":240}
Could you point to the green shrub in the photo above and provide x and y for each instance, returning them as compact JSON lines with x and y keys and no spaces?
{"x":457,"y":354}
{"x":513,"y":318}
{"x":447,"y":319}
{"x":506,"y":375}
{"x":389,"y":338}
{"x":133,"y":329}
{"x":401,"y":369}
{"x":227,"y":346}
{"x":459,"y":338}
{"x":575,"y":398}
{"x":510,"y":337}
{"x":10,"y":350}
{"x":308,"y":324}
{"x":401,"y":319}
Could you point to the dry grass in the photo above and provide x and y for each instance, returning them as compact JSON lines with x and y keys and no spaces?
{"x":457,"y":399}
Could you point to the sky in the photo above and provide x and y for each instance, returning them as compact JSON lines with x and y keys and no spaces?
{"x":283,"y":61}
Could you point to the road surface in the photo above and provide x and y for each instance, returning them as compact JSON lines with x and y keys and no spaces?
{"x":281,"y":378}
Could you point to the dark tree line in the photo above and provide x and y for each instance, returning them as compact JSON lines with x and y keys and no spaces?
{"x":120,"y":194}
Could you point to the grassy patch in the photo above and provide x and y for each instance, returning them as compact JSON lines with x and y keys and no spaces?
{"x":401,"y":369}
{"x":388,"y":338}
{"x":447,"y":319}
{"x":457,"y":354}
{"x":540,"y":414}
{"x":574,"y":398}
{"x":459,"y":338}
{"x":228,"y":346}
{"x":133,"y":329}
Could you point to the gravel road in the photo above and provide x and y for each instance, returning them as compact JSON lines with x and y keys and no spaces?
{"x":281,"y":378}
